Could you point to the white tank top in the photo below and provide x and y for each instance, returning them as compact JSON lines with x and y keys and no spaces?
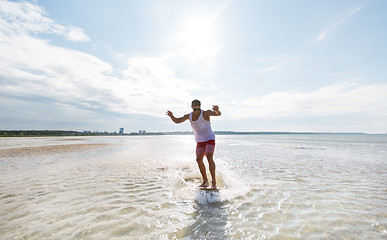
{"x":201,"y":128}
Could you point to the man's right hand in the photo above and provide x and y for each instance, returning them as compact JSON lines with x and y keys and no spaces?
{"x":177,"y":120}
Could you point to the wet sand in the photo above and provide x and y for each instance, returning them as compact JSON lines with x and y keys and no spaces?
{"x":45,"y":150}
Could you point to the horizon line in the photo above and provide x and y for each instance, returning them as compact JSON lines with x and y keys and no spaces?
{"x":143,"y":132}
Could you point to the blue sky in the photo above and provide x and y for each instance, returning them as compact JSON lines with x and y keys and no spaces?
{"x":270,"y":65}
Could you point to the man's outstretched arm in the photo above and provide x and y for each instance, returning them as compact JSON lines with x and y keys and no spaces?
{"x":177,"y":120}
{"x":215,"y":111}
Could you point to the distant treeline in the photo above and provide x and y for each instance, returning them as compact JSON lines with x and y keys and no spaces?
{"x":43,"y":133}
{"x":37,"y":133}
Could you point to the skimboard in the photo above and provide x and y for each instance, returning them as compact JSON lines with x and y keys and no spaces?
{"x":209,"y":189}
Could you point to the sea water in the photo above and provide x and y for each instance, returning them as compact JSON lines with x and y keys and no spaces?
{"x":144,"y":187}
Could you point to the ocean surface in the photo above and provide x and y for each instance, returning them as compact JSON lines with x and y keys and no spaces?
{"x":144,"y":187}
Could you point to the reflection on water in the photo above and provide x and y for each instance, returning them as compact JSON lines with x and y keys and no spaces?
{"x":274,"y":187}
{"x":210,"y":221}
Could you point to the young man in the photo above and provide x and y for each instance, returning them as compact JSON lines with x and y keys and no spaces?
{"x":205,"y":138}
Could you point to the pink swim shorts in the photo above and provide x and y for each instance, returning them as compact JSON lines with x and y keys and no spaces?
{"x":205,"y":147}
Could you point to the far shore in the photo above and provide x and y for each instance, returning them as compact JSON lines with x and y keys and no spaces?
{"x":60,"y":133}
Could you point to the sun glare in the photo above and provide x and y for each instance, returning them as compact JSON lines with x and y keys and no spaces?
{"x":195,"y":32}
{"x":197,"y":37}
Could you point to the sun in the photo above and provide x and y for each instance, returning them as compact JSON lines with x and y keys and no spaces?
{"x":196,"y":32}
{"x":197,"y":37}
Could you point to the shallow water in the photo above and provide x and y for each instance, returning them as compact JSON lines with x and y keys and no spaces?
{"x":143,"y":187}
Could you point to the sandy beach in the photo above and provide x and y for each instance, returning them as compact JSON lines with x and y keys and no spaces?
{"x":45,"y":150}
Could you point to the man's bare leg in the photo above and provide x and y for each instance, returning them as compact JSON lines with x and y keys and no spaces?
{"x":211,"y":163}
{"x":202,"y":168}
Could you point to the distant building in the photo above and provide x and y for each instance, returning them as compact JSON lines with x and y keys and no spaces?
{"x":121,"y":130}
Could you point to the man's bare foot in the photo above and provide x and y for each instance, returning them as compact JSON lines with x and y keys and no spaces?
{"x":204,"y":185}
{"x":213,"y":185}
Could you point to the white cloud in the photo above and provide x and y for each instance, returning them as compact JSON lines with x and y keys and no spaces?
{"x":269,"y":68}
{"x":151,"y":86}
{"x":72,"y":33}
{"x":322,"y":35}
{"x":343,"y":17}
{"x":34,"y":69}
{"x":55,"y":70}
{"x":338,"y":99}
{"x":25,"y":17}
{"x":224,"y":5}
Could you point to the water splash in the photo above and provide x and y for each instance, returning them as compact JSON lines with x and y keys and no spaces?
{"x":231,"y":188}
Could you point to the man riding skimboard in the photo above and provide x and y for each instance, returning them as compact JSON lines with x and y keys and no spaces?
{"x":204,"y":136}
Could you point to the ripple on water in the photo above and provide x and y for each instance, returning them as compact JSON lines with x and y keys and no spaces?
{"x":290,"y":194}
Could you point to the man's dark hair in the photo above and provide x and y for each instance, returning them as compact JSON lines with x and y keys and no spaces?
{"x":196,"y":103}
